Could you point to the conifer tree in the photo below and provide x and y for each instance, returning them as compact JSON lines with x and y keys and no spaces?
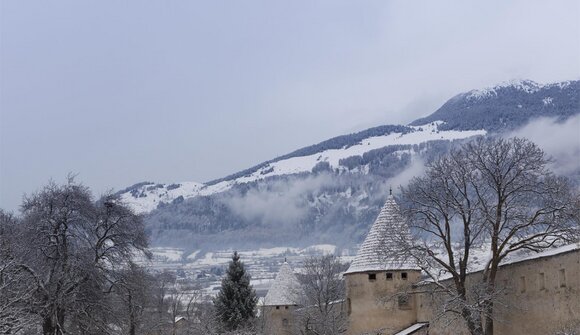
{"x":235,"y":304}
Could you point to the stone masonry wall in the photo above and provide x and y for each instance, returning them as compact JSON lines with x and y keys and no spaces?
{"x":540,"y":296}
{"x":373,"y":304}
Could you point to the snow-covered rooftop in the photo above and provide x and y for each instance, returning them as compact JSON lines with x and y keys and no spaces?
{"x":374,"y":254}
{"x":285,"y":289}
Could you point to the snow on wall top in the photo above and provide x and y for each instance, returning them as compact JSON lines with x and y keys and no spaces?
{"x":480,"y":256}
{"x":373,"y":254}
{"x":285,"y":289}
{"x":412,"y":329}
{"x":545,"y":253}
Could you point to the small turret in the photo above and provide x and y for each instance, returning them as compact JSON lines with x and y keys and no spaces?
{"x":281,"y":301}
{"x":377,"y":281}
{"x":377,"y":251}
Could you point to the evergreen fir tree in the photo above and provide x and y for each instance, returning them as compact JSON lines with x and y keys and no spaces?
{"x":235,"y":304}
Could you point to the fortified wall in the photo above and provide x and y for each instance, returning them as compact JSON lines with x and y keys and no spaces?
{"x":539,"y":293}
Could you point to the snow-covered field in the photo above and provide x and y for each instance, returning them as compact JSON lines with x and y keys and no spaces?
{"x":167,"y":254}
{"x":148,"y":197}
{"x":207,"y":268}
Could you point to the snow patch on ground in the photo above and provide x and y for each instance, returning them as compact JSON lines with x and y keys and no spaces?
{"x":148,"y":197}
{"x":325,"y":249}
{"x":277,"y":251}
{"x":213,"y":259}
{"x":193,"y":255}
{"x":527,"y":86}
{"x":167,"y":254}
{"x":207,"y":269}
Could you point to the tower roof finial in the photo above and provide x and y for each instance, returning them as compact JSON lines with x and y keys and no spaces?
{"x":390,"y":190}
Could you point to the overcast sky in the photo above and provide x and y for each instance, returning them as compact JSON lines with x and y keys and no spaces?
{"x":167,"y":91}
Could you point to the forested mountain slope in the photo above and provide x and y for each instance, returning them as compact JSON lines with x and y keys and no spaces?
{"x":507,"y":106}
{"x":330,"y":192}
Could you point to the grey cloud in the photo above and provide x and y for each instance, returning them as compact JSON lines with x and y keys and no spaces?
{"x":123,"y":92}
{"x":282,"y":201}
{"x":561,"y":140}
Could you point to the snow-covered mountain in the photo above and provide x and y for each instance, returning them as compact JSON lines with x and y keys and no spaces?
{"x":508,"y":106}
{"x":145,"y":197}
{"x":333,"y":189}
{"x":525,"y":86}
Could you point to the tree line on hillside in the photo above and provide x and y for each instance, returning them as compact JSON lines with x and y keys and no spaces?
{"x":507,"y":110}
{"x":339,"y":142}
{"x":331,"y":205}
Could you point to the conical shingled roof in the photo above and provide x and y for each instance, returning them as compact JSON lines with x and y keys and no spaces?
{"x":285,"y":289}
{"x":374,"y":254}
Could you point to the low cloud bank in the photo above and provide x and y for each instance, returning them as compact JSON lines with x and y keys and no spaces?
{"x":560,"y":140}
{"x":279,"y":201}
{"x":289,"y":201}
{"x":415,"y":169}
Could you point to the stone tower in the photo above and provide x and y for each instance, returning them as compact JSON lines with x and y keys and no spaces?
{"x":281,"y":302}
{"x":377,"y":283}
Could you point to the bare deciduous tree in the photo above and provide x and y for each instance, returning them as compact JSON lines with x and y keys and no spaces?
{"x":15,"y":288}
{"x":491,"y":194}
{"x":132,"y":294}
{"x":323,"y":311}
{"x":69,"y":246}
{"x":184,"y":302}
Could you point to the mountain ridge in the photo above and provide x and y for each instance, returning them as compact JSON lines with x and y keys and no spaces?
{"x":441,"y":114}
{"x":323,"y":192}
{"x":510,"y":100}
